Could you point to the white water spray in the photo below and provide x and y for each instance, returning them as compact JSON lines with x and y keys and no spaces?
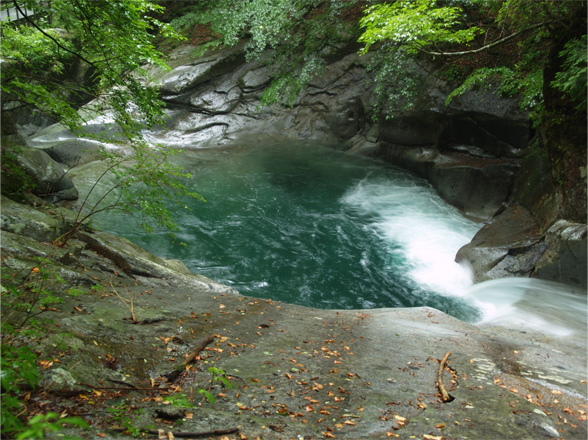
{"x":420,"y":227}
{"x":427,"y":233}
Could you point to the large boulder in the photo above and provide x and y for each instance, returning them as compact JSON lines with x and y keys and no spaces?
{"x":47,"y":178}
{"x":478,"y":186}
{"x":511,"y":245}
{"x":29,"y":222}
{"x":470,"y":151}
{"x":142,"y":265}
{"x":74,"y":152}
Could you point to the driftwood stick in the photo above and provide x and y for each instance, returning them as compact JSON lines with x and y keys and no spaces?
{"x":198,"y":349}
{"x":445,"y":396}
{"x":180,"y":434}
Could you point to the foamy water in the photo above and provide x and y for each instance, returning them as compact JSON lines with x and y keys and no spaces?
{"x":420,"y":227}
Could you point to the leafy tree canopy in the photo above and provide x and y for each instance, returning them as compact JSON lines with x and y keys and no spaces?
{"x":410,"y":31}
{"x":113,"y":37}
{"x":414,"y":25}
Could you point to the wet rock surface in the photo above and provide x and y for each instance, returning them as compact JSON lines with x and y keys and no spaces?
{"x":566,"y":244}
{"x":474,"y":151}
{"x":46,"y":177}
{"x":297,"y":372}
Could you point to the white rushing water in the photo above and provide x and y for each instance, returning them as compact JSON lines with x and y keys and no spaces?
{"x":422,"y":228}
{"x":428,"y":233}
{"x":539,"y":305}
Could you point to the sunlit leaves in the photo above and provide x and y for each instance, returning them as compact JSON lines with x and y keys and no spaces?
{"x":414,"y":25}
{"x":114,"y":37}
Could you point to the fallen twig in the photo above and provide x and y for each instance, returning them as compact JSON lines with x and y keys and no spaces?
{"x":197,"y":351}
{"x":445,"y":396}
{"x":180,"y":434}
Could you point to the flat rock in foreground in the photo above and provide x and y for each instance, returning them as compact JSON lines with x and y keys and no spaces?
{"x":306,"y":373}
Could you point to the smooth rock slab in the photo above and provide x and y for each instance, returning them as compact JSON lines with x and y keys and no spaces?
{"x":355,"y":374}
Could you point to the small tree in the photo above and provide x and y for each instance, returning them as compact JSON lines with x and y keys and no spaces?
{"x":113,"y":39}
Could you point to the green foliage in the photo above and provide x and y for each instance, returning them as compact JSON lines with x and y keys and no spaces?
{"x":179,"y":400}
{"x":415,"y":25}
{"x":219,"y":375}
{"x":505,"y":81}
{"x":19,"y":370}
{"x":24,"y":296}
{"x":396,"y":82}
{"x":115,"y":39}
{"x":15,"y":180}
{"x":412,"y":30}
{"x":23,"y":299}
{"x":120,"y":414}
{"x":572,"y":80}
{"x":41,"y":424}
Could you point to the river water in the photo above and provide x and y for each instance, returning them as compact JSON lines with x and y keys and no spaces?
{"x":307,"y":224}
